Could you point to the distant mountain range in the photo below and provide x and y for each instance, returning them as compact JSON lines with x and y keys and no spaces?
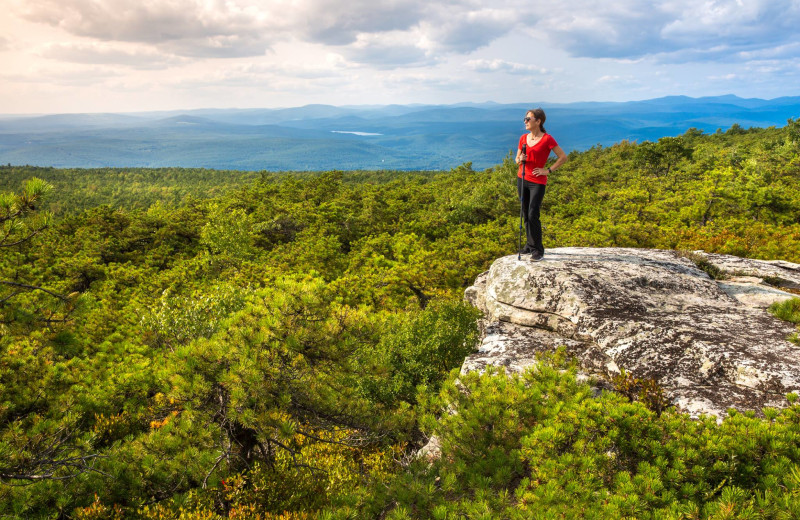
{"x":323,"y":137}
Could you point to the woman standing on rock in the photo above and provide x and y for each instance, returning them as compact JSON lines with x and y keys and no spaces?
{"x":534,"y":149}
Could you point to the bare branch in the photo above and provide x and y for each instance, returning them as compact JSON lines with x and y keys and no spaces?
{"x":47,"y":469}
{"x":213,"y":468}
{"x":9,"y":297}
{"x":34,"y":288}
{"x":22,"y":240}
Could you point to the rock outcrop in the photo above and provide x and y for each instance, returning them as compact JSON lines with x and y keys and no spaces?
{"x":710,"y":344}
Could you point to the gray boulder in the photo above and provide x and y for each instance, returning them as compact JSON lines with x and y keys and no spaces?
{"x":710,"y":344}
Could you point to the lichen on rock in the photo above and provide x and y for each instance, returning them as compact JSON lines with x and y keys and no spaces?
{"x":710,"y":344}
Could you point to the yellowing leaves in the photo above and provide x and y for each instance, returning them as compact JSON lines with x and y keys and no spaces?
{"x":154,"y":425}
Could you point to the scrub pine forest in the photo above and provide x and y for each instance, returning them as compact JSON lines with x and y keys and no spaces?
{"x":203,"y":344}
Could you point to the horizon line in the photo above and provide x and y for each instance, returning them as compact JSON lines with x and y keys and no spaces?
{"x":379,"y":106}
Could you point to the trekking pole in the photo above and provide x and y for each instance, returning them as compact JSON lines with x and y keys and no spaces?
{"x":522,"y":166}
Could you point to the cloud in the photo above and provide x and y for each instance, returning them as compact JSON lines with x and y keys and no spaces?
{"x":404,"y":32}
{"x":786,"y":51}
{"x":619,"y":81}
{"x":334,"y":22}
{"x":387,"y":33}
{"x":186,"y":27}
{"x":324,"y":70}
{"x":498,"y":65}
{"x":416,"y":81}
{"x":264,"y":79}
{"x":724,"y":77}
{"x":104,"y":54}
{"x":378,"y":32}
{"x":422,"y":35}
{"x":739,"y":24}
{"x":218,"y":46}
{"x":229,"y":28}
{"x":388,"y":50}
{"x":64,"y":77}
{"x":676,"y":31}
{"x":770,"y":69}
{"x":468,"y":30}
{"x":622,"y":29}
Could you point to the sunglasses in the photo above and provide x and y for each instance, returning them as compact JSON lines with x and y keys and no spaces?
{"x":528,"y":119}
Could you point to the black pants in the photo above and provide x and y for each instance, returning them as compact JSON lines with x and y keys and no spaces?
{"x":530,"y":198}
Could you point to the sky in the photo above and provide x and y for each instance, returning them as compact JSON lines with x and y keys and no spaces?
{"x":74,"y":56}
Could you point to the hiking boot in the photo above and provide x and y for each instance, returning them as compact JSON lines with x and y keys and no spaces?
{"x":536,"y":256}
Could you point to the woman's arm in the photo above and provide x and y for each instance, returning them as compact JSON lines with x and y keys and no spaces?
{"x":561,"y":159}
{"x":518,"y":158}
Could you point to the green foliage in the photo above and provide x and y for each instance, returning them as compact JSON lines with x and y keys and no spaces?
{"x":23,"y":300}
{"x":539,"y":445}
{"x":20,"y":219}
{"x":236,"y":344}
{"x":661,"y":157}
{"x":176,"y":320}
{"x":419,"y":350}
{"x":79,"y":189}
{"x":228,"y":233}
{"x":704,"y":265}
{"x":788,"y":310}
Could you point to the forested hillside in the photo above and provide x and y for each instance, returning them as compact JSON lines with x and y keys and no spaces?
{"x":324,"y":137}
{"x":76,"y":190}
{"x":201,"y":344}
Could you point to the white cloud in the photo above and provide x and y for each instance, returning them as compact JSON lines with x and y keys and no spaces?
{"x":105,"y":54}
{"x":785,"y":51}
{"x":272,"y":77}
{"x":740,"y":24}
{"x":678,"y":30}
{"x":416,"y":81}
{"x":624,"y":29}
{"x":619,"y":81}
{"x":335,"y":22}
{"x":374,"y":51}
{"x":724,"y":77}
{"x":189,"y":27}
{"x":321,"y":70}
{"x":64,"y":76}
{"x":383,"y":32}
{"x":388,"y":50}
{"x":774,"y":69}
{"x":217,"y":46}
{"x":467,"y":30}
{"x":498,"y":65}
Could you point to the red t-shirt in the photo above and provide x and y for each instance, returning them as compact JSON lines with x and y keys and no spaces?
{"x":536,"y":156}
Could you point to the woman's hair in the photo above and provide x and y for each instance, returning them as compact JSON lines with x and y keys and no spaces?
{"x":538,"y":113}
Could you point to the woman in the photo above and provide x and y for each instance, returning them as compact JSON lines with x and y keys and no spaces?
{"x":534,"y":149}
